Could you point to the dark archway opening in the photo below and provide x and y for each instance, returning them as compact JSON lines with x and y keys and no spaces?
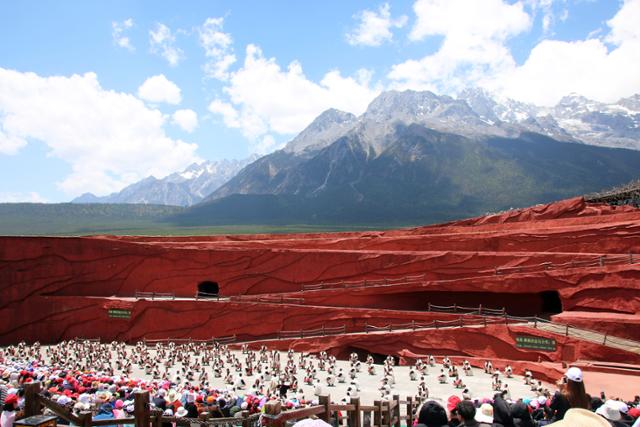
{"x":551,"y":302}
{"x":208,"y":289}
{"x":378,"y":358}
{"x":543,"y":303}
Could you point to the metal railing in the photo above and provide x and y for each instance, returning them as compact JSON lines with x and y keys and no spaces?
{"x":627,"y":192}
{"x":213,"y":341}
{"x":154,"y":295}
{"x":467,"y":310}
{"x":268,"y":299}
{"x":595,"y":261}
{"x":465,"y":319}
{"x":208,"y":296}
{"x":363,"y":283}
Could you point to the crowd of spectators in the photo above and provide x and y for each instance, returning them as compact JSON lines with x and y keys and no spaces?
{"x":569,"y":406}
{"x":82,"y":377}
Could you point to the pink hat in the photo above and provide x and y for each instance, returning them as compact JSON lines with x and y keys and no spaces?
{"x":119,"y":404}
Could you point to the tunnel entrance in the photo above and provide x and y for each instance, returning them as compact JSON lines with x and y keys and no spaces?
{"x":551,"y":303}
{"x":378,"y":358}
{"x":208,"y":289}
{"x":516,"y":304}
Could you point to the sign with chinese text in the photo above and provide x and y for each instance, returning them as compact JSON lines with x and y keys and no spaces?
{"x":118,"y":313}
{"x":535,"y":343}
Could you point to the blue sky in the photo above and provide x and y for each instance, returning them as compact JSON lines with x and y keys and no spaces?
{"x":89,"y":90}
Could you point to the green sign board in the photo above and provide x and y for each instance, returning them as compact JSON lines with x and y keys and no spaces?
{"x":535,"y":343}
{"x":118,"y":313}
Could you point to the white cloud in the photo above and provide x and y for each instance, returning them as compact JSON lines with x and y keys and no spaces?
{"x":162,"y":42}
{"x":474,"y":53}
{"x":9,"y":144}
{"x":267,"y":145}
{"x":265,"y":99}
{"x":483,"y":19}
{"x":624,"y":25}
{"x":118,"y":30}
{"x":564,"y":15}
{"x":474,"y":43}
{"x":589,"y":67}
{"x":217,"y":47}
{"x":160,"y":89}
{"x":29,"y":197}
{"x":375,"y":27}
{"x":186,"y":119}
{"x":545,"y":7}
{"x":111,"y":139}
{"x":229,"y":114}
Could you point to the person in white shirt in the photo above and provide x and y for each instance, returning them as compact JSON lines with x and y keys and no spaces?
{"x":412,"y":375}
{"x":9,"y":410}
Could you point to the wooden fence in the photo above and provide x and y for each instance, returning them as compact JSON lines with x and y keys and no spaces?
{"x":383,"y":413}
{"x":363,"y":283}
{"x":595,"y":261}
{"x":467,"y":317}
{"x":269,"y":299}
{"x":213,"y":341}
{"x":480,"y":310}
{"x":143,"y":415}
{"x":154,"y":295}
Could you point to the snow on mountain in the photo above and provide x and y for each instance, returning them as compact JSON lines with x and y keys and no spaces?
{"x":325,"y":129}
{"x":475,"y":113}
{"x":184,"y":188}
{"x":575,"y":117}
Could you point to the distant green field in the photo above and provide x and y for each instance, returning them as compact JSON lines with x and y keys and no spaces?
{"x":66,"y":219}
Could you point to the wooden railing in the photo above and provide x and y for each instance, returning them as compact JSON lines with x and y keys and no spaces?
{"x":595,"y":261}
{"x":215,"y":340}
{"x":93,"y":340}
{"x":480,"y":310}
{"x":363,"y":283}
{"x":154,"y":295}
{"x":143,"y":415}
{"x":467,"y":317}
{"x":383,"y":413}
{"x":270,"y":299}
{"x":629,"y":192}
{"x":319,"y":332}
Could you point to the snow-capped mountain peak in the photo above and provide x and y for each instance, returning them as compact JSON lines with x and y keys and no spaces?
{"x":184,"y":188}
{"x":574,"y":117}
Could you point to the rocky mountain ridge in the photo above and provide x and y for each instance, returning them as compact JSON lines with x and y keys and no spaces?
{"x":475,"y":115}
{"x":184,"y":188}
{"x":476,"y":112}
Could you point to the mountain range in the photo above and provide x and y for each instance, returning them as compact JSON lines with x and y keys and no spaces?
{"x":412,"y":157}
{"x":184,"y":188}
{"x":419,"y":157}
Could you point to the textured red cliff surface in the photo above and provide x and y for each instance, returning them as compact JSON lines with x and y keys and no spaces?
{"x":58,"y":288}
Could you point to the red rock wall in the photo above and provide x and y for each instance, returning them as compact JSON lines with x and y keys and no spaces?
{"x":492,"y":342}
{"x":578,"y":288}
{"x":55,"y":288}
{"x":609,"y":323}
{"x":62,"y":318}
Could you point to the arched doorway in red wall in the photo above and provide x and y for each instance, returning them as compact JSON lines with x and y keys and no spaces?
{"x":543,"y":303}
{"x":208,"y":289}
{"x":551,"y":302}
